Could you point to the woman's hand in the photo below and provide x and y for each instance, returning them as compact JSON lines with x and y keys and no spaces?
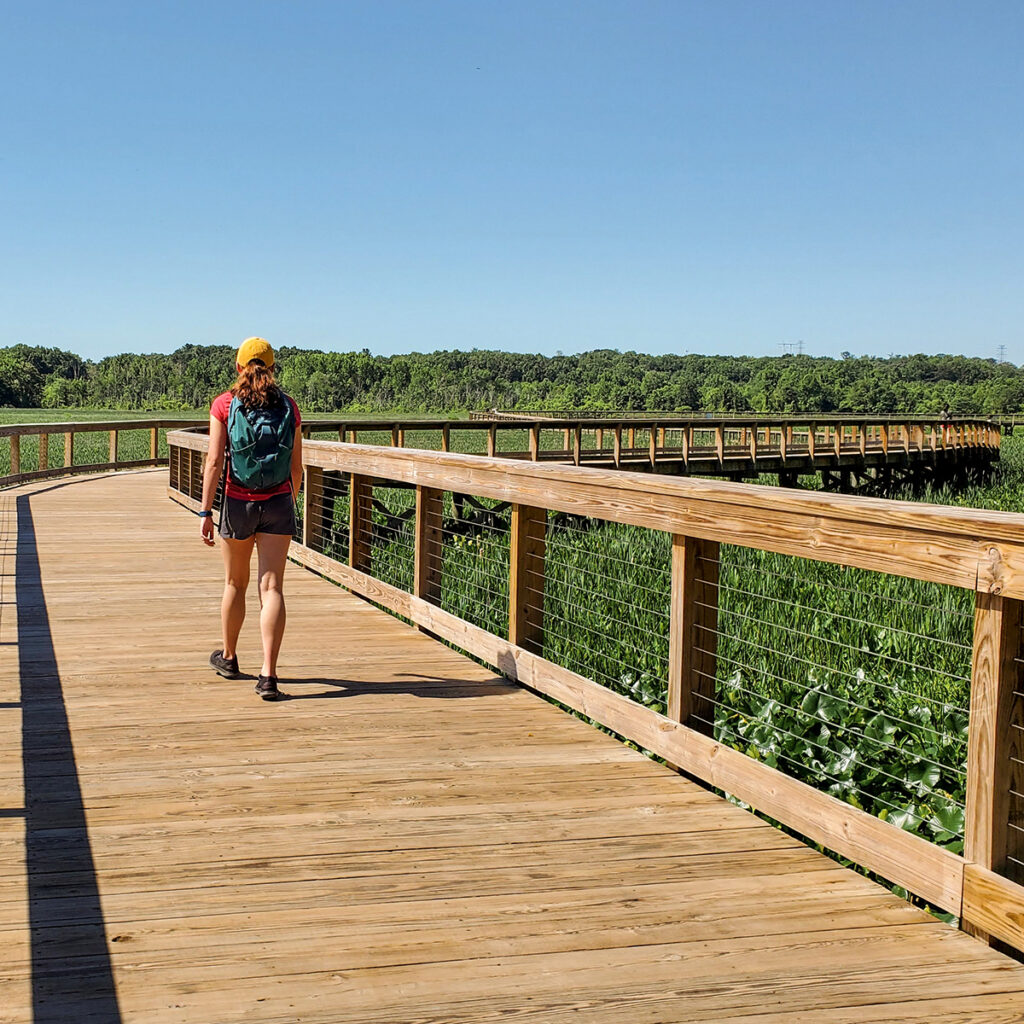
{"x":206,"y":530}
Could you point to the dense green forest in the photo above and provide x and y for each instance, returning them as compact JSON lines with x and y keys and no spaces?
{"x":32,"y":377}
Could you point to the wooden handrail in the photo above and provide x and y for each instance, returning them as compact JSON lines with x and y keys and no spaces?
{"x":972,"y":548}
{"x":623,"y":415}
{"x":85,"y":426}
{"x":15,"y":432}
{"x":482,"y":422}
{"x":978,"y":550}
{"x":850,"y":454}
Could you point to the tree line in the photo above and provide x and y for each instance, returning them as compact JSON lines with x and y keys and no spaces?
{"x":452,"y":382}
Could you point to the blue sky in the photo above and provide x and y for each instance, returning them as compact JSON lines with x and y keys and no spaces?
{"x":720,"y":176}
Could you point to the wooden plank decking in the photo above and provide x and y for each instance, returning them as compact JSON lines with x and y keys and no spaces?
{"x":408,"y":839}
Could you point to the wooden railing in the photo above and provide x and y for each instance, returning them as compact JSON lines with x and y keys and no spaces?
{"x":702,"y":445}
{"x":40,"y":451}
{"x":618,"y":415}
{"x":979,"y":552}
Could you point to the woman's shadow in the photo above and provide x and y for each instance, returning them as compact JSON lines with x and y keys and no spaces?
{"x":409,"y":683}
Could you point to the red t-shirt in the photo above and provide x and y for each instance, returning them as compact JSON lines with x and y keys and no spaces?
{"x":219,"y":411}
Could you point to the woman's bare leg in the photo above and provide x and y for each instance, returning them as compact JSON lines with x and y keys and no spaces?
{"x":271,"y":557}
{"x":237,"y":558}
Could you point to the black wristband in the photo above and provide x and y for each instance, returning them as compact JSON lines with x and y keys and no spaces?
{"x":204,"y":515}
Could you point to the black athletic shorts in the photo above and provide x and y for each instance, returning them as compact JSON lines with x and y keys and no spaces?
{"x":240,"y":519}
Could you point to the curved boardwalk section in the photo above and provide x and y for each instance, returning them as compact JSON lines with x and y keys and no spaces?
{"x":407,"y":839}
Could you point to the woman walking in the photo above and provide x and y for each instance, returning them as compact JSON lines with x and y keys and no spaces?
{"x":256,"y":426}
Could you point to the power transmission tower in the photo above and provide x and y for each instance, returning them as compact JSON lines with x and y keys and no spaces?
{"x":1001,"y":354}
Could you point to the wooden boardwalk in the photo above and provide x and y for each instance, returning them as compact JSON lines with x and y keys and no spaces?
{"x":407,"y":839}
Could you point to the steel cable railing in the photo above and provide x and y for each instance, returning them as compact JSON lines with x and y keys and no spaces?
{"x":843,"y":678}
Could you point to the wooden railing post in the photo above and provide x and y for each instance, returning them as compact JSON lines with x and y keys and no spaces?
{"x":599,"y":439}
{"x":995,"y":741}
{"x":313,"y":507}
{"x":720,"y":444}
{"x":753,"y":446}
{"x":617,"y":446}
{"x":113,"y":446}
{"x":69,"y":449}
{"x":686,"y":444}
{"x":428,"y":554}
{"x":526,"y":577}
{"x":838,"y":436}
{"x":446,"y":438}
{"x":394,"y":436}
{"x":44,"y":452}
{"x":15,"y":454}
{"x":534,"y":442}
{"x":652,"y":445}
{"x":577,"y":444}
{"x":360,"y":505}
{"x":811,"y":430}
{"x":492,"y":440}
{"x":693,"y":632}
{"x":154,"y":442}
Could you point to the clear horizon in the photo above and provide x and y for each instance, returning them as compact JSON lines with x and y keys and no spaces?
{"x":665,"y":177}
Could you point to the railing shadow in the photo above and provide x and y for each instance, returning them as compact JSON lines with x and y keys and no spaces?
{"x":72,"y":977}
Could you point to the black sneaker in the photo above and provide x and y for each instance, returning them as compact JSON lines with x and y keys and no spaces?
{"x":267,"y":688}
{"x":226,"y":667}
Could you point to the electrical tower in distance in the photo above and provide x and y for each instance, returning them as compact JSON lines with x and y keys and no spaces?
{"x":1001,"y":354}
{"x":790,"y":348}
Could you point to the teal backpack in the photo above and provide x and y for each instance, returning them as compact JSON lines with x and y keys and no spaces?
{"x":261,"y":443}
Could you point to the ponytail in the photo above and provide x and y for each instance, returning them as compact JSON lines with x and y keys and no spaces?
{"x":256,"y":387}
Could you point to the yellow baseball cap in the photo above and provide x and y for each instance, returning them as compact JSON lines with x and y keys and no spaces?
{"x":255,"y":348}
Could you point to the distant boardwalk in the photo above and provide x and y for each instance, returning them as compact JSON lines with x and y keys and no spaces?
{"x":848,"y":453}
{"x":408,"y":839}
